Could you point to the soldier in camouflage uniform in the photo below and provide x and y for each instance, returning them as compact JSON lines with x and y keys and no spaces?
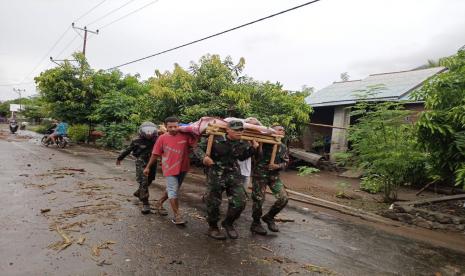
{"x":224,"y":175}
{"x":265,"y":175}
{"x":141,"y":148}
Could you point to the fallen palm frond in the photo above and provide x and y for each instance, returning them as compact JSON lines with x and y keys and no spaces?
{"x":95,"y":251}
{"x":61,"y":245}
{"x":81,"y":240}
{"x":318,"y":269}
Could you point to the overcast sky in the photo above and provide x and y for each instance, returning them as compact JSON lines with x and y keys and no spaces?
{"x":309,"y":46}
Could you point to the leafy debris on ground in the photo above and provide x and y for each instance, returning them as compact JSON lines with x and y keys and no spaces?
{"x":81,"y":240}
{"x":318,"y":269}
{"x":104,"y":245}
{"x":284,"y":219}
{"x":61,"y":245}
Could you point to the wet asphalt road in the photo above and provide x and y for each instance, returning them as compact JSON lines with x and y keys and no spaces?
{"x":97,"y":205}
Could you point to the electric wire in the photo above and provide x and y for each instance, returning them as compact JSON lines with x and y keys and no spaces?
{"x":124,"y":16}
{"x":67,"y":46}
{"x":14,"y":84}
{"x":89,"y":11}
{"x":216,"y":34}
{"x":110,"y":12}
{"x":47,"y":54}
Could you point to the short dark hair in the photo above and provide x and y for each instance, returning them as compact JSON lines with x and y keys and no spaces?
{"x":171,"y":119}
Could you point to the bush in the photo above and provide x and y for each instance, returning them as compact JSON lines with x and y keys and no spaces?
{"x":305,"y":170}
{"x":441,"y":128}
{"x":371,"y":184}
{"x":40,"y":128}
{"x":78,"y":133}
{"x":343,"y":159}
{"x":384,"y":145}
{"x":116,"y":134}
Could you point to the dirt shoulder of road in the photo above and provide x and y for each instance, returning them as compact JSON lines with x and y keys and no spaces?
{"x":346,"y":191}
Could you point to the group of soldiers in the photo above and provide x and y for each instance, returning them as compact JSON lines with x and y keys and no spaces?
{"x":224,"y":175}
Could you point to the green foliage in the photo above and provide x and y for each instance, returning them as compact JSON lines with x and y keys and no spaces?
{"x":124,"y":98}
{"x":305,"y":170}
{"x":371,"y":184}
{"x":441,"y":128}
{"x":69,"y":90}
{"x":343,"y":159}
{"x":116,"y":134}
{"x":36,"y":109}
{"x":40,"y":128}
{"x":215,"y":87}
{"x":115,"y":107}
{"x":384,"y":145}
{"x":78,"y":132}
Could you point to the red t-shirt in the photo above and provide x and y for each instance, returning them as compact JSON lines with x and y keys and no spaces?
{"x":174,"y":152}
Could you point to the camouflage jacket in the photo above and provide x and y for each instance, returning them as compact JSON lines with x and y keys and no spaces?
{"x":262,"y":158}
{"x":225,"y":152}
{"x":140,"y":148}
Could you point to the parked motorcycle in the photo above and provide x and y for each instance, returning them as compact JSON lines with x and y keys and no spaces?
{"x":13,"y":126}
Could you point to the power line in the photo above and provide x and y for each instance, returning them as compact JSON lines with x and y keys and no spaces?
{"x":67,"y":45}
{"x":124,"y":16}
{"x":216,"y":34}
{"x":58,"y":41}
{"x":47,"y":53}
{"x":111,"y":12}
{"x":89,"y":11}
{"x":15,"y":84}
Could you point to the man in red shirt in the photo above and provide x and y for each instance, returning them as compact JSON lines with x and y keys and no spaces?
{"x":173,"y":148}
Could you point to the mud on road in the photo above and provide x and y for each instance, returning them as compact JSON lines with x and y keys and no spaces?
{"x":71,"y":212}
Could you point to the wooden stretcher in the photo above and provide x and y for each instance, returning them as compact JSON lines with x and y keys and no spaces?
{"x":248,"y":135}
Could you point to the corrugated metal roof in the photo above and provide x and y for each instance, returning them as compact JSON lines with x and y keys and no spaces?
{"x":395,"y":86}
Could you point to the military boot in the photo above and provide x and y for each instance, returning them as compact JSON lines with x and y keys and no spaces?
{"x":145,"y":209}
{"x":215,"y":233}
{"x":232,"y":233}
{"x":257,"y":228}
{"x":137,"y":193}
{"x":270,"y":222}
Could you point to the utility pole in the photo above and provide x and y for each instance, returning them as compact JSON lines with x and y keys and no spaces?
{"x":17,"y":90}
{"x":85,"y":36}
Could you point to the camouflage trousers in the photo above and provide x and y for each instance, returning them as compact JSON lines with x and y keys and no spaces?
{"x":259,"y":184}
{"x":144,"y":181}
{"x":219,"y":181}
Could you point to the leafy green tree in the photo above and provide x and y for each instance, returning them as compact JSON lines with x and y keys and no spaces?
{"x":36,"y":109}
{"x":215,"y":87}
{"x":69,"y":89}
{"x":123,"y":106}
{"x":5,"y":107}
{"x":441,"y":127}
{"x":384,"y":145}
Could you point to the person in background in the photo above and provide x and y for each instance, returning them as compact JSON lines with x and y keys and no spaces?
{"x":60,"y":130}
{"x":141,"y":148}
